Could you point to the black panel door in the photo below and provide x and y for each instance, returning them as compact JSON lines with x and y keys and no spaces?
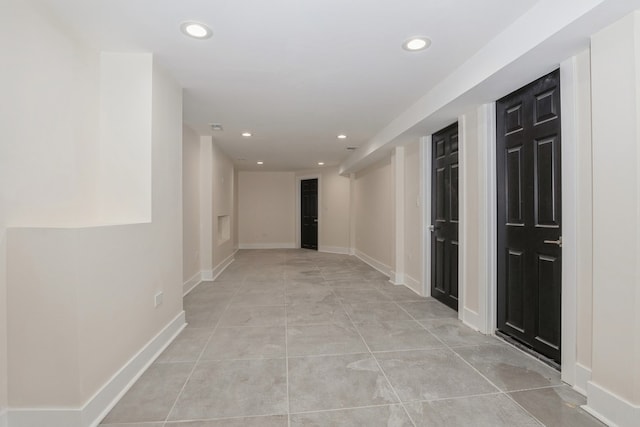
{"x":444,"y":214}
{"x":529,"y":214}
{"x":309,"y":213}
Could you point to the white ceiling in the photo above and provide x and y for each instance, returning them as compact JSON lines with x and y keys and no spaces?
{"x":295,"y":73}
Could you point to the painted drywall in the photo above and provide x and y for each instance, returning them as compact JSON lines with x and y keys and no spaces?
{"x":190,"y":203}
{"x":615,"y":68}
{"x":373,"y":210}
{"x":124,"y":170}
{"x":222,"y":185}
{"x":266,"y":209}
{"x":413,"y":228}
{"x":73,"y":289}
{"x":333,"y":229}
{"x":471,"y":255}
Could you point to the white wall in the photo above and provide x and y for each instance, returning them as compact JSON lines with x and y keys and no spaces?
{"x":223,"y":183}
{"x":72,"y":286}
{"x":333,"y":198}
{"x":190,"y":203}
{"x":615,"y":67}
{"x":266,"y":209}
{"x":124,"y":172}
{"x":413,"y":227}
{"x":373,"y":210}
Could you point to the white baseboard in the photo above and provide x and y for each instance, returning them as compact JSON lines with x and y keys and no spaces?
{"x":106,"y":398}
{"x":412,"y":284}
{"x":3,"y":418}
{"x":267,"y":246}
{"x":396,"y":278}
{"x":334,"y":250}
{"x":190,"y":284}
{"x":609,"y":408}
{"x":206,"y":276}
{"x":222,"y":266}
{"x":583,"y":376}
{"x":381,"y":267}
{"x":472,"y":319}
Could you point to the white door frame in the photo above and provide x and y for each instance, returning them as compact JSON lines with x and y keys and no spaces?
{"x":486,"y":318}
{"x":568,"y":107}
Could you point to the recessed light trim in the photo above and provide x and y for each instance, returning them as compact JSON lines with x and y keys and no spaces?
{"x":342,"y":136}
{"x":260,"y":162}
{"x":320,"y":163}
{"x":196,"y":30}
{"x":416,"y":43}
{"x":247,"y":134}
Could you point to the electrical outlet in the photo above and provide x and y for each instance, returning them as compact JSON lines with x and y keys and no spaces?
{"x":158,"y":299}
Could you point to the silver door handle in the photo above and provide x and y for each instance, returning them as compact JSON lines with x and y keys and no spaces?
{"x":555,"y":242}
{"x":315,"y":220}
{"x":431,"y":228}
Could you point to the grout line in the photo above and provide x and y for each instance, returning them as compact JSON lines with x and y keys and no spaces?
{"x":380,"y":368}
{"x":505,"y":393}
{"x":286,"y":350}
{"x":215,"y":328}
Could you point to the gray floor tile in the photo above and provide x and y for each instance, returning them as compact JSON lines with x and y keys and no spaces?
{"x":252,"y":296}
{"x":253,"y":316}
{"x":336,"y":382}
{"x":323,"y":339}
{"x":376,"y":312}
{"x":233,"y":388}
{"x":508,"y":368}
{"x":556,"y":406}
{"x":400,"y":293}
{"x":186,"y":347}
{"x":455,"y":333}
{"x":401,"y":335}
{"x":152,"y":396}
{"x":351,"y":296}
{"x":379,"y":416}
{"x":428,"y":309}
{"x":317,"y":294}
{"x":133,"y":425}
{"x":355,"y":282}
{"x":272,"y":421}
{"x":431,"y":374}
{"x":479,"y":411}
{"x":246,"y":343}
{"x":316,"y":313}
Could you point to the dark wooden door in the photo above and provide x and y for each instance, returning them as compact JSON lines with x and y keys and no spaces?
{"x":529,"y":215}
{"x":444,"y":214}
{"x":309,"y":213}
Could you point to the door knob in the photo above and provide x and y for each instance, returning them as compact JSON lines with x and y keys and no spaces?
{"x":315,"y":219}
{"x":555,"y":242}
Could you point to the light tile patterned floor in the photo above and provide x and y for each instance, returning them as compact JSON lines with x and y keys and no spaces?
{"x":292,"y":338}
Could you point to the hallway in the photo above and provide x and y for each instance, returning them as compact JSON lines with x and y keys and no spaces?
{"x":302,"y":338}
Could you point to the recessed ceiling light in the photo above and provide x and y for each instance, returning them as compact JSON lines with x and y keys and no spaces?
{"x":320,"y":163}
{"x":342,"y":136}
{"x":216,"y":126}
{"x":416,"y":43}
{"x":246,"y":134}
{"x":260,"y":163}
{"x":196,"y":30}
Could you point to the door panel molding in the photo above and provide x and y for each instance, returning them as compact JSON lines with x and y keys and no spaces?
{"x":299,"y":180}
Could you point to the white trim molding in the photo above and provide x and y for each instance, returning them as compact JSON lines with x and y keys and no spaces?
{"x":620,"y":412}
{"x":106,"y":398}
{"x":190,"y":284}
{"x":381,"y":267}
{"x":267,"y":246}
{"x":222,"y":266}
{"x":334,"y":250}
{"x":412,"y":284}
{"x":583,"y":376}
{"x":4,"y":422}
